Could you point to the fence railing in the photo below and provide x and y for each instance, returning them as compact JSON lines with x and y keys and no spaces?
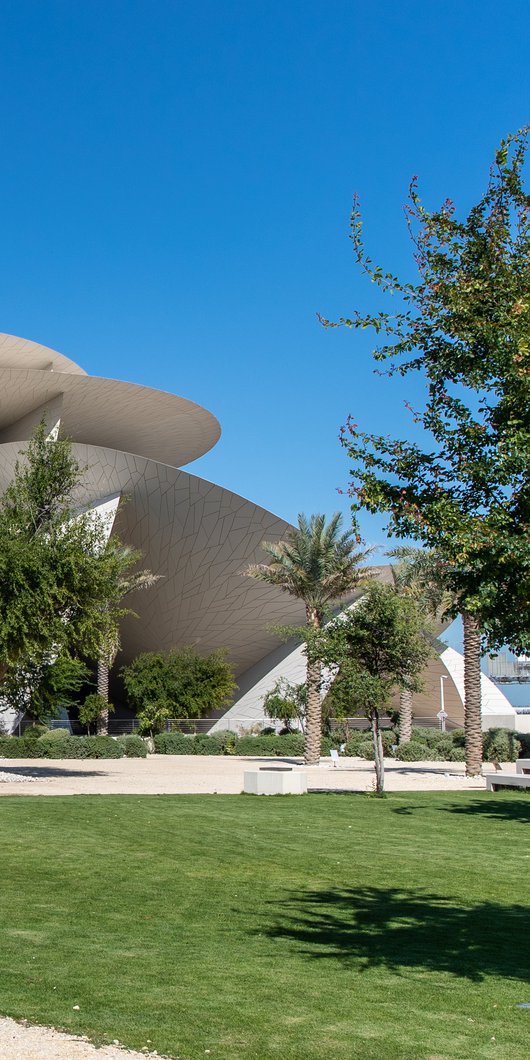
{"x":239,"y":726}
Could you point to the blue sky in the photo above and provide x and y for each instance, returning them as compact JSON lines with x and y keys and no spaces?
{"x":175,"y":191}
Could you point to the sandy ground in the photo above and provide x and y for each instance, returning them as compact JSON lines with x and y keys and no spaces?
{"x":23,"y":1041}
{"x":192,"y":774}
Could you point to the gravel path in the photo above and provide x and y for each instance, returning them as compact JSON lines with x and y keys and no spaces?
{"x":209,"y":774}
{"x":24,"y":1041}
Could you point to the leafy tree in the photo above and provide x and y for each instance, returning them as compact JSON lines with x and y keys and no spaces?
{"x":152,"y":717}
{"x":318,"y":563}
{"x":465,"y":491}
{"x":41,"y":689}
{"x":179,"y":684}
{"x":286,"y":702}
{"x":130,"y":581}
{"x":57,"y":566}
{"x":376,"y":648}
{"x":92,"y":709}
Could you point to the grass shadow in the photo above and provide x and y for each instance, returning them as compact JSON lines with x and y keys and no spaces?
{"x":406,"y":929}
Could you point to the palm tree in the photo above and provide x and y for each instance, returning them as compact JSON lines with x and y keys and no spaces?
{"x":416,"y":575}
{"x":143,"y":579}
{"x":472,"y":692}
{"x":317,"y":563}
{"x":421,"y":572}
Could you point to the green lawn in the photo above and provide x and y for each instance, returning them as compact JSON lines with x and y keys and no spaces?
{"x":328,"y":926}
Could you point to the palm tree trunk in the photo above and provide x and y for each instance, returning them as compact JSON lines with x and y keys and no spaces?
{"x":313,"y":720}
{"x":313,"y":723}
{"x":378,"y":754}
{"x":405,"y":715}
{"x":103,"y":690}
{"x":472,"y":695}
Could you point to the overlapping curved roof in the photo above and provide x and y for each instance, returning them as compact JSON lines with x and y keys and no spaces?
{"x":199,"y":537}
{"x":104,"y":412}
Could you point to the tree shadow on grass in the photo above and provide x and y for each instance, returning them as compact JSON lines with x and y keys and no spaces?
{"x":398,"y":929}
{"x":509,"y":807}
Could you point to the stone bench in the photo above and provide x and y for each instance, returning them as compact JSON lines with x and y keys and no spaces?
{"x":507,"y":780}
{"x":523,"y":765}
{"x":275,"y":780}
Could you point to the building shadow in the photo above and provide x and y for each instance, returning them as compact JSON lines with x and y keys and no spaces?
{"x":403,"y":929}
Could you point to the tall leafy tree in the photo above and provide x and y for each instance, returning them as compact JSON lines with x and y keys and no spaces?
{"x":376,"y":648}
{"x":177,"y":684}
{"x":464,"y":489}
{"x":317,"y":562}
{"x":60,"y":575}
{"x":286,"y":702}
{"x":41,"y":688}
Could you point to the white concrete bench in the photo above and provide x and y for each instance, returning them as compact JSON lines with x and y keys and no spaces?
{"x":523,"y":765}
{"x":507,"y":780}
{"x":275,"y":780}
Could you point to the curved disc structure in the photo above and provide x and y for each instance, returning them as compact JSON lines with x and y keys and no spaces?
{"x":197,"y":536}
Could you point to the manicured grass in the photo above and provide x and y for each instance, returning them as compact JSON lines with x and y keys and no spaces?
{"x":336,"y":926}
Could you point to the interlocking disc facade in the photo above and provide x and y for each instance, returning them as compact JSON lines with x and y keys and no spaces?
{"x":199,"y":537}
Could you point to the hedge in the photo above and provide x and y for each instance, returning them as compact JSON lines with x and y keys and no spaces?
{"x":48,"y":746}
{"x":426,"y":744}
{"x":134,"y":746}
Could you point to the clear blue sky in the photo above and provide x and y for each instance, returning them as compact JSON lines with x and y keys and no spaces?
{"x":175,"y":190}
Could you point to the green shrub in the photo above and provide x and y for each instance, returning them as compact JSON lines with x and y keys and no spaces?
{"x":524,"y":740}
{"x":417,"y":752}
{"x":67,"y":747}
{"x":133,"y":746}
{"x":458,"y":737}
{"x":228,"y":742}
{"x":102,"y":747}
{"x":18,"y":747}
{"x":444,"y":747}
{"x":173,"y":743}
{"x":360,"y":744}
{"x":457,"y":754}
{"x":500,"y":744}
{"x":389,"y":741}
{"x":291,"y":745}
{"x":366,"y":750}
{"x":326,"y":744}
{"x":432,"y":737}
{"x":55,"y":734}
{"x":353,"y":743}
{"x":215,"y":744}
{"x":34,"y":731}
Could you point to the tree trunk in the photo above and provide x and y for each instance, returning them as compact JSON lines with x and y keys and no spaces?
{"x":313,"y":721}
{"x":313,"y":717}
{"x":472,"y":695}
{"x":378,"y":754}
{"x":405,"y":715}
{"x":103,"y":690}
